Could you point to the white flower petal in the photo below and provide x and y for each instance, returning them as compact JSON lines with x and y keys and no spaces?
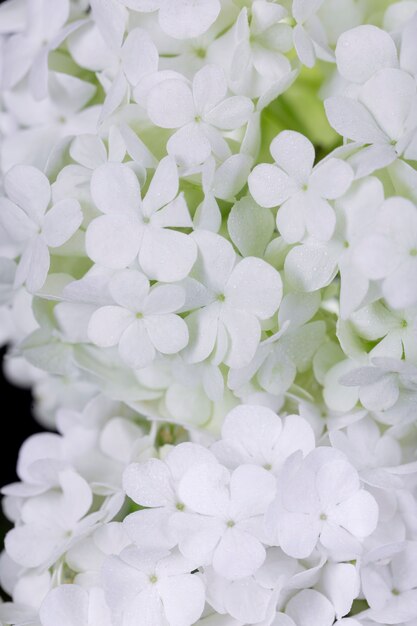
{"x":139,"y":55}
{"x":252,"y":489}
{"x":29,"y":188}
{"x":168,"y":333}
{"x":291,"y":217}
{"x":362,"y":51}
{"x":149,"y":483}
{"x":310,"y":608}
{"x":269,"y":185}
{"x":149,"y":529}
{"x":16,"y":223}
{"x":232,"y":113}
{"x":202,"y":328}
{"x":135,"y":345}
{"x":243,"y":336}
{"x":167,"y":255}
{"x":304,"y":46}
{"x":209,"y":87}
{"x":204,"y":489}
{"x":216,"y":259}
{"x":170,"y":104}
{"x":238,"y":555}
{"x":320,"y":218}
{"x":358,"y":514}
{"x":115,"y":189}
{"x":61,"y":222}
{"x":68,"y":604}
{"x":331,"y":179}
{"x":183,"y":598}
{"x":389,"y":95}
{"x":189,"y":145}
{"x":351,"y":119}
{"x":185,"y":20}
{"x":310,"y":267}
{"x":38,"y":260}
{"x":255,"y":287}
{"x":164,"y":299}
{"x":107,"y":325}
{"x":113,"y":240}
{"x":163,"y":187}
{"x":129,"y":289}
{"x":295,"y":154}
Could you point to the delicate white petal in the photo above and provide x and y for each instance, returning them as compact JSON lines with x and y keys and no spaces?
{"x":304,"y":46}
{"x":183,"y":598}
{"x":310,"y":608}
{"x":231,"y":113}
{"x":189,"y":145}
{"x":29,"y":188}
{"x":61,"y":222}
{"x":255,"y":287}
{"x":168,"y":333}
{"x":358,"y":514}
{"x":16,"y":223}
{"x":269,"y":185}
{"x":362,"y":51}
{"x":163,"y":187}
{"x":167,"y":255}
{"x":209,"y":87}
{"x":115,"y":189}
{"x":129,"y":289}
{"x":113,"y":240}
{"x":351,"y":119}
{"x":238,"y":555}
{"x":389,"y":95}
{"x":170,"y":104}
{"x":107,"y":325}
{"x":67,"y":604}
{"x":331,"y":179}
{"x":135,"y":345}
{"x":149,"y":483}
{"x":185,"y":20}
{"x":295,"y":154}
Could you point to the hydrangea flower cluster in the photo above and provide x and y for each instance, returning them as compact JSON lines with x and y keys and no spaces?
{"x":208,"y":278}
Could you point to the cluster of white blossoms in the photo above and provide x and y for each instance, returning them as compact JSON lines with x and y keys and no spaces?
{"x":208,"y":278}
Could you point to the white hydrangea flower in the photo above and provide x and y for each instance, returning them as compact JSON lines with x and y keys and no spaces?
{"x":142,"y":321}
{"x":389,"y":253}
{"x":391,"y":588}
{"x":321,"y":497}
{"x":156,"y":585}
{"x":255,"y":434}
{"x":222,"y":523}
{"x":26,"y":217}
{"x":182,"y":20}
{"x":253,"y":52}
{"x":75,"y":606}
{"x":200,"y":113}
{"x":154,"y":485}
{"x":233,"y":296}
{"x":134,"y":228}
{"x":309,"y":36}
{"x":382,"y":117}
{"x":301,"y":191}
{"x":51,"y":522}
{"x":204,"y":316}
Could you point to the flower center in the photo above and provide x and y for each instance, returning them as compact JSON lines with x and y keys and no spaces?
{"x":153,"y":579}
{"x":230,"y":523}
{"x":413,"y":252}
{"x":323,"y":517}
{"x":180,"y":506}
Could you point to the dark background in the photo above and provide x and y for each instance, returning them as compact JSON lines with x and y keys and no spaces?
{"x":17,"y":425}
